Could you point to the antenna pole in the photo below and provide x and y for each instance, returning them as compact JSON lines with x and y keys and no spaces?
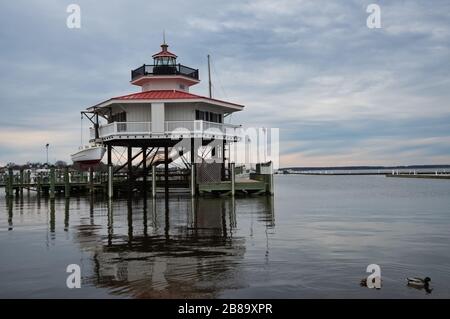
{"x":81,"y":130}
{"x":209,"y":78}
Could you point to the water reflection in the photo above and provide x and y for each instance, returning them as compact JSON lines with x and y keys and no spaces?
{"x":181,"y":248}
{"x":325,"y":234}
{"x":52,"y":216}
{"x":193,"y":255}
{"x":10,"y":213}
{"x":66,"y":214}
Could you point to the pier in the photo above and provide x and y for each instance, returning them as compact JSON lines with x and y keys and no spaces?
{"x":68,"y":181}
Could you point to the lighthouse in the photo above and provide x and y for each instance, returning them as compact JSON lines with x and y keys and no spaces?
{"x":164,"y":122}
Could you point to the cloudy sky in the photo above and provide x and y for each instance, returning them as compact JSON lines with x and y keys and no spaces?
{"x":341,"y":93}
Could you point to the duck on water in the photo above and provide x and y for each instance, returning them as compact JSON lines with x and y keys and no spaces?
{"x":419,"y":283}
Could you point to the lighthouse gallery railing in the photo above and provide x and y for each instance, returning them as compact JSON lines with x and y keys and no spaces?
{"x":177,"y":69}
{"x":170,"y":127}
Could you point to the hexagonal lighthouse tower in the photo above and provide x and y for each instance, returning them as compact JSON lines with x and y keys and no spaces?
{"x":163,"y":123}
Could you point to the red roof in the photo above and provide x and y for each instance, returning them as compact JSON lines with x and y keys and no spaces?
{"x":158,"y":95}
{"x":166,"y":95}
{"x":164,"y":54}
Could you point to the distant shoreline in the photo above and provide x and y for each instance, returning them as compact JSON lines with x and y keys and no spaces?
{"x":337,"y":168}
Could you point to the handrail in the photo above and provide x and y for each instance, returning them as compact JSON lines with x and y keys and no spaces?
{"x":177,"y":69}
{"x":196,"y":126}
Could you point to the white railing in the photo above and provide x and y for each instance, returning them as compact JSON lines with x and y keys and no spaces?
{"x":133,"y":127}
{"x":170,"y":127}
{"x":107,"y":129}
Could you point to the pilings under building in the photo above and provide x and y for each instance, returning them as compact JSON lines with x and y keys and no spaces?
{"x":136,"y":179}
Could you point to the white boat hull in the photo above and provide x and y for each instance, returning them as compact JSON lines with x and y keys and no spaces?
{"x":89,"y":155}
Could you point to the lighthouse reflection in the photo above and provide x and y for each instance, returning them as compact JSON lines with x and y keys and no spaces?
{"x":182,"y":248}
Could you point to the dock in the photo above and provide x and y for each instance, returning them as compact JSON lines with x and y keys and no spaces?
{"x":67,"y":182}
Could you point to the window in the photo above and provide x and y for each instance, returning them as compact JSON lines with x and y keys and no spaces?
{"x":208,"y":116}
{"x":119,"y":117}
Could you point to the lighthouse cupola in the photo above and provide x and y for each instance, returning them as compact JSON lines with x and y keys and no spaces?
{"x":165,"y":73}
{"x":164,"y":58}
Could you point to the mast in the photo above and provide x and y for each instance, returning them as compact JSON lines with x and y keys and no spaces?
{"x":209,"y":78}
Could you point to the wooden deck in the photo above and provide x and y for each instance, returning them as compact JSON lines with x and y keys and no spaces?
{"x":47,"y":186}
{"x":242,"y":185}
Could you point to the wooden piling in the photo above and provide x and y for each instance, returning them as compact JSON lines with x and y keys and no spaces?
{"x":193,"y":172}
{"x":91,"y":180}
{"x":153,"y":181}
{"x":166,"y":171}
{"x":6,"y":185}
{"x":52,"y":183}
{"x":21,"y":181}
{"x":110,"y":181}
{"x":130,"y":170}
{"x":193,"y":180}
{"x":66,"y":182}
{"x":39,"y":184}
{"x":233,"y":179}
{"x":144,"y":168}
{"x":271,"y":184}
{"x":28,"y":181}
{"x":10,"y":182}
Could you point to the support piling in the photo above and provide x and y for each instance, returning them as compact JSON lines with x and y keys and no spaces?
{"x":66,"y":182}
{"x":271,"y":184}
{"x":233,"y":179}
{"x":21,"y":181}
{"x":153,"y":181}
{"x":193,"y":180}
{"x":130,"y":170}
{"x":39,"y":184}
{"x":91,"y":180}
{"x":144,"y":169}
{"x":166,"y":171}
{"x":52,"y":183}
{"x":110,"y":181}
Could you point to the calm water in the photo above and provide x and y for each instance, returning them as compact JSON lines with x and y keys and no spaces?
{"x":314,"y":239}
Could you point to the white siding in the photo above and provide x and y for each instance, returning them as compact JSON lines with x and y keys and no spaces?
{"x":135,"y":112}
{"x":158,"y":117}
{"x":180,"y":112}
{"x":138,"y":113}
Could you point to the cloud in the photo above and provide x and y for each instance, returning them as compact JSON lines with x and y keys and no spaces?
{"x":339,"y":92}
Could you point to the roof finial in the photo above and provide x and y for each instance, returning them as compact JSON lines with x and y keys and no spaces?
{"x":164,"y":46}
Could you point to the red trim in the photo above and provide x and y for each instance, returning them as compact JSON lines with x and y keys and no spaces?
{"x":167,"y":95}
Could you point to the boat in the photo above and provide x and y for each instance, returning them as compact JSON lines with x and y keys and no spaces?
{"x":91,"y":154}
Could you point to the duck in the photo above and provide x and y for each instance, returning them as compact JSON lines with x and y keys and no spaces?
{"x":363,"y":282}
{"x":418,"y":282}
